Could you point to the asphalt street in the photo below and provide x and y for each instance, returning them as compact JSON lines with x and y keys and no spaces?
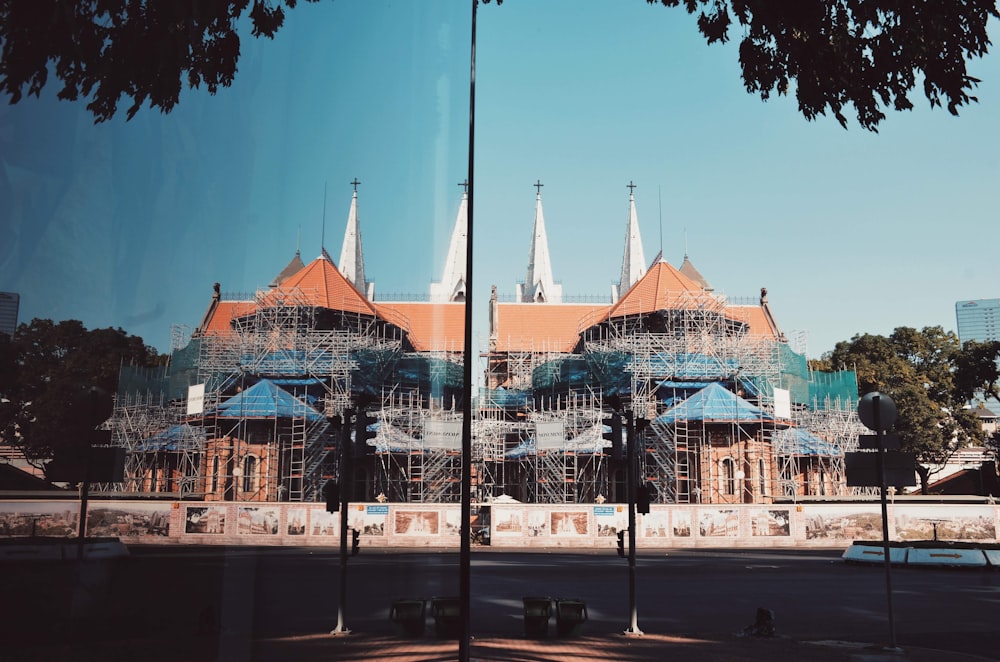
{"x":257,"y":593}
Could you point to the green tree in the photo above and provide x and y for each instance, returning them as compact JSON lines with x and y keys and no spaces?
{"x":977,"y":370}
{"x":977,"y":375}
{"x":145,"y":50}
{"x":868,"y":54}
{"x":47,"y":373}
{"x":916,"y":369}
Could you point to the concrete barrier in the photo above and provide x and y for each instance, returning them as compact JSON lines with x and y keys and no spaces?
{"x":946,"y":556}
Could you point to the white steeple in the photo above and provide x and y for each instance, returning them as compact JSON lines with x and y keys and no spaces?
{"x":452,"y":284}
{"x":352,"y":258}
{"x":539,"y":287}
{"x":634,"y":259}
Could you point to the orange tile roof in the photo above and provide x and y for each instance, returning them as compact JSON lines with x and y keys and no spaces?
{"x":429,"y":326}
{"x":321,"y":284}
{"x":540,"y":327}
{"x":755,"y":317}
{"x":220,"y":322}
{"x":661,"y":288}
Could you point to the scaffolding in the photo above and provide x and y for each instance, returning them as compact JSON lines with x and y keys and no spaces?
{"x":418,"y":448}
{"x":318,"y":358}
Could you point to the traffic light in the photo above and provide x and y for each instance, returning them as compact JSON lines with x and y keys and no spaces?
{"x":362,"y":434}
{"x":643,"y":495}
{"x":355,"y":542}
{"x":621,"y":542}
{"x":331,"y":491}
{"x":615,"y":435}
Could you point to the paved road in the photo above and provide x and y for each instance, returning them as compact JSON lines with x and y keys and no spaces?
{"x":180,"y":593}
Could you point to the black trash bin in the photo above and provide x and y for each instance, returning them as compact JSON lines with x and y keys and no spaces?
{"x":409,"y":616}
{"x":447,"y":612}
{"x":536,"y":616}
{"x":570,"y":615}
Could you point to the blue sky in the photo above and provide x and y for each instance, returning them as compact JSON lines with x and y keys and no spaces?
{"x":130,"y":223}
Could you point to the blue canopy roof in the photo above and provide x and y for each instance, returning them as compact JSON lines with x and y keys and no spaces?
{"x":715,"y":404}
{"x":266,"y":400}
{"x":796,"y":441}
{"x":178,"y":437}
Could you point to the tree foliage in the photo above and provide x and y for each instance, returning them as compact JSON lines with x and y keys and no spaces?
{"x":869,"y":54}
{"x":51,"y":379}
{"x":917,"y":370}
{"x":144,"y":50}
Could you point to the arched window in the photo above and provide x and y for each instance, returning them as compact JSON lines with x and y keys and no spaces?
{"x":249,"y":474}
{"x":215,"y":474}
{"x":727,"y":476}
{"x":762,"y":476}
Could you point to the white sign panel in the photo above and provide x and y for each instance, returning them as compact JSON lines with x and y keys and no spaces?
{"x":782,"y":403}
{"x":443,"y":434}
{"x":549,"y":435}
{"x":196,"y":399}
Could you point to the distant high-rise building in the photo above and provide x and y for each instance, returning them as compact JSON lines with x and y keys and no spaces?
{"x":9,"y":303}
{"x":978,"y":320}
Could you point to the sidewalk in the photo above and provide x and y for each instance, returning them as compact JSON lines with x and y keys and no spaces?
{"x":385,"y":648}
{"x":610,"y":648}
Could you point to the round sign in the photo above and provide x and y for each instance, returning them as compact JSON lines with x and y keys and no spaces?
{"x":886,"y":411}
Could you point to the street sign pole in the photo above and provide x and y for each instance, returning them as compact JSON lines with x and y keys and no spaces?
{"x":876,"y":402}
{"x":630,"y":483}
{"x":343,"y":478}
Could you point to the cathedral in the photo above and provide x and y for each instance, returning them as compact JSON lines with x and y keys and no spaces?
{"x":719,"y":407}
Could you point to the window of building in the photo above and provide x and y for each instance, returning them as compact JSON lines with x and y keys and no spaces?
{"x":762,"y":476}
{"x":215,"y":474}
{"x":727,"y":476}
{"x":249,"y":474}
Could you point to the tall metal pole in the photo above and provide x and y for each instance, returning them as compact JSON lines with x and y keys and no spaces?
{"x":465,"y":554}
{"x":343,"y":479}
{"x":630,"y":471}
{"x":880,"y":462}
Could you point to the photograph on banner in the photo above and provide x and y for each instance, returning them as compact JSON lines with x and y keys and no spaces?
{"x":209,"y":520}
{"x":609,"y":520}
{"x":656,"y":524}
{"x":129,"y":520}
{"x":257,"y":521}
{"x":296,"y":525}
{"x":929,"y":522}
{"x":570,"y":523}
{"x":770,"y":522}
{"x":369,"y":520}
{"x":416,"y":522}
{"x":322,"y":523}
{"x":453,"y":521}
{"x":843,"y":522}
{"x":51,"y":519}
{"x":538,"y":522}
{"x":508,"y":521}
{"x":718,"y":522}
{"x":681,"y":523}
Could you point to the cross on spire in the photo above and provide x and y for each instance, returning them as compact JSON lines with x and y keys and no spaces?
{"x":538,"y":185}
{"x":465,"y":185}
{"x":355,"y":184}
{"x":631,"y":187}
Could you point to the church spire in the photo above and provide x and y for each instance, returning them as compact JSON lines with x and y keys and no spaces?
{"x":539,"y":286}
{"x":452,"y":284}
{"x":634,"y":259}
{"x":352,"y":258}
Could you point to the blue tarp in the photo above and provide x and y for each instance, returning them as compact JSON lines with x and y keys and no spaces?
{"x":179,"y":437}
{"x":714,"y":404}
{"x":265,"y":400}
{"x":796,"y":441}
